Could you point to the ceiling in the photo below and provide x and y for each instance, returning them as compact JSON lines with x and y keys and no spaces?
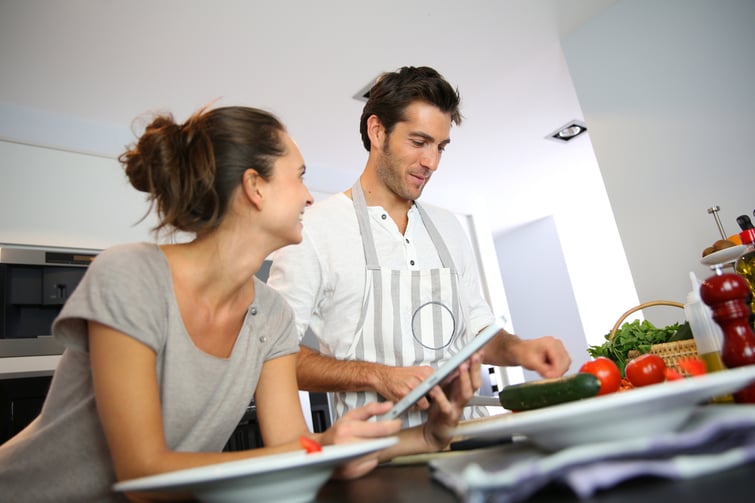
{"x":106,"y":62}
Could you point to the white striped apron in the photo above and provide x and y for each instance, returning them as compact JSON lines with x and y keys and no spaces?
{"x":409,"y":317}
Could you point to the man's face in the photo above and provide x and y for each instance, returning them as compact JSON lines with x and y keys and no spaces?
{"x":412,"y":152}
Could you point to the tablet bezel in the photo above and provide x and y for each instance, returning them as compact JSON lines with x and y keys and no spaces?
{"x":444,"y":370}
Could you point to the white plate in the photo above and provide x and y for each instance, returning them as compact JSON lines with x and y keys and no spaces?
{"x":288,"y":477}
{"x":637,"y":412}
{"x":724,"y":256}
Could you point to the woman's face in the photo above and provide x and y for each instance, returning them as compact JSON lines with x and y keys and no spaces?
{"x":287,"y":196}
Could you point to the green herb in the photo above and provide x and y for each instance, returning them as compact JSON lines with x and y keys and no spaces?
{"x":639,"y":336}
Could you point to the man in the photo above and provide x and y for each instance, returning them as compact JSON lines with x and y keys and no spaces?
{"x":389,"y":286}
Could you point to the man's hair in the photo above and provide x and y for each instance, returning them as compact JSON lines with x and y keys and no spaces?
{"x":393,"y":92}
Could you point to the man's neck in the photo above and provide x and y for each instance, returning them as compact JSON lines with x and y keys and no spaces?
{"x":376,"y":194}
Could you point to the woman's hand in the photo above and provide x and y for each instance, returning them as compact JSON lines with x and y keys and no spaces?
{"x":448,"y":402}
{"x":354,"y":426}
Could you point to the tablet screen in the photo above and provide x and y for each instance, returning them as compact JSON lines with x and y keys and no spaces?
{"x":444,"y":370}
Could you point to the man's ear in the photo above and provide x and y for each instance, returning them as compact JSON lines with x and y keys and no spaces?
{"x":375,"y":131}
{"x":252,"y":187}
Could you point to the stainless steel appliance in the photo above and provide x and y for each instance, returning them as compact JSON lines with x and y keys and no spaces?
{"x":35,"y":282}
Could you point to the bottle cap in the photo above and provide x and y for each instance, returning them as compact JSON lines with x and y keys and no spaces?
{"x":747,"y":236}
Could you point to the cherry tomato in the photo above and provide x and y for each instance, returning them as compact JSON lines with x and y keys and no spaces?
{"x":672,"y":375}
{"x":693,"y":366}
{"x":646,"y":369}
{"x":310,"y":445}
{"x":607,"y":373}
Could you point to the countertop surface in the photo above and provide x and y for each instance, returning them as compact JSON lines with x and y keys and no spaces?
{"x":28,"y":366}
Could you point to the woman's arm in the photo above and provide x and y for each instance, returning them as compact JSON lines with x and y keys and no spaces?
{"x":128,"y":402}
{"x":279,"y":411}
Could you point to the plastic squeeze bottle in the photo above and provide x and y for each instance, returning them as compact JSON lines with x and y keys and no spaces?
{"x":706,"y":332}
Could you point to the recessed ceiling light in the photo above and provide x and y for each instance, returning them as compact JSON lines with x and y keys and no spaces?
{"x":364,"y":93}
{"x":568,"y":131}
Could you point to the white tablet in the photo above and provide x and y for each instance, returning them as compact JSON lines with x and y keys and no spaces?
{"x":444,"y":370}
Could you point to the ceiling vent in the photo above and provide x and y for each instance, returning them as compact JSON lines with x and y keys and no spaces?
{"x":568,"y":131}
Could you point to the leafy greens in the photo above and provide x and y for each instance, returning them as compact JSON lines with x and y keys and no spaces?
{"x":639,"y":336}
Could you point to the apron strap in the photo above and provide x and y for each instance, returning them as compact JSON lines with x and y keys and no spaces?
{"x":440,"y":245}
{"x":368,"y":241}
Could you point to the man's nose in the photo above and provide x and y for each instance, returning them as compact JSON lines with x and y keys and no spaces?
{"x":430,"y":159}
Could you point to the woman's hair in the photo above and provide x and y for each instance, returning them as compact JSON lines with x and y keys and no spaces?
{"x":191,"y":170}
{"x":394,"y":91}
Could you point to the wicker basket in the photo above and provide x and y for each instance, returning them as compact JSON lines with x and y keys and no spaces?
{"x":670,"y":352}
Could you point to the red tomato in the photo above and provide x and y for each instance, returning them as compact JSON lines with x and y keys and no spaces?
{"x":646,"y":369}
{"x":693,"y":366}
{"x":607,"y":373}
{"x":672,"y":375}
{"x":310,"y":445}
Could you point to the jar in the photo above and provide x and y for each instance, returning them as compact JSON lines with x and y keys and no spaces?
{"x":745,"y":266}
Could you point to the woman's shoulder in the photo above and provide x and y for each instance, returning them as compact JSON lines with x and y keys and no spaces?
{"x":130,"y":262}
{"x":129,"y":254}
{"x":269,"y":298}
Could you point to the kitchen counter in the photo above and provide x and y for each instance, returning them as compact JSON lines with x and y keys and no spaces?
{"x":411,"y":483}
{"x":28,"y":366}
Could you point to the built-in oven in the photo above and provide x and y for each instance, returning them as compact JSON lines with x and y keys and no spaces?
{"x":35,"y":282}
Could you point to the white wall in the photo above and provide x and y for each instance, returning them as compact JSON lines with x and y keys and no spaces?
{"x":544,"y":303}
{"x":52,"y":197}
{"x":596,"y":286}
{"x":55,"y":197}
{"x":667,"y":92}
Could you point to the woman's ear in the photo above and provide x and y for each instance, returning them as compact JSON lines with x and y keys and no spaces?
{"x":375,"y":131}
{"x":252,"y":187}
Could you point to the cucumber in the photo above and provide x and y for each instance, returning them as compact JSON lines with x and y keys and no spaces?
{"x":546,"y":392}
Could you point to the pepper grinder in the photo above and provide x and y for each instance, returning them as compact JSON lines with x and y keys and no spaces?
{"x":727,"y":296}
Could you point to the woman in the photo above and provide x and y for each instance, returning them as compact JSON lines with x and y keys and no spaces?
{"x":166,"y":345}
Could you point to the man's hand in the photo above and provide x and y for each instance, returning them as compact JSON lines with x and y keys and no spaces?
{"x":394,"y":383}
{"x":546,"y":355}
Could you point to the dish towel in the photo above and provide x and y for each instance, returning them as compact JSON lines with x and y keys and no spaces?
{"x":716,"y":437}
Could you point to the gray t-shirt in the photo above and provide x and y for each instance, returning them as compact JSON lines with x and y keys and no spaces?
{"x":63,"y":456}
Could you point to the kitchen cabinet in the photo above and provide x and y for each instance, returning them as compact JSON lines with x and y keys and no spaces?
{"x":20,"y":402}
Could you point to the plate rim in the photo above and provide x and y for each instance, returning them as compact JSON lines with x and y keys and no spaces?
{"x":252,"y":466}
{"x":729,"y":253}
{"x":509,"y":423}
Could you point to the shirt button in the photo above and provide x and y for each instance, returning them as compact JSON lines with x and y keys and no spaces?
{"x":263,"y":339}
{"x":411,"y":262}
{"x":253,"y":311}
{"x":407,"y":241}
{"x":383,"y":216}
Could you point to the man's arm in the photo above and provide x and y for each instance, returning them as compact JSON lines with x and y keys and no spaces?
{"x":319,"y":373}
{"x":546,"y":355}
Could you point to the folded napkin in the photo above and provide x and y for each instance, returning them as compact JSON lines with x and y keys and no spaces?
{"x":717,"y":437}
